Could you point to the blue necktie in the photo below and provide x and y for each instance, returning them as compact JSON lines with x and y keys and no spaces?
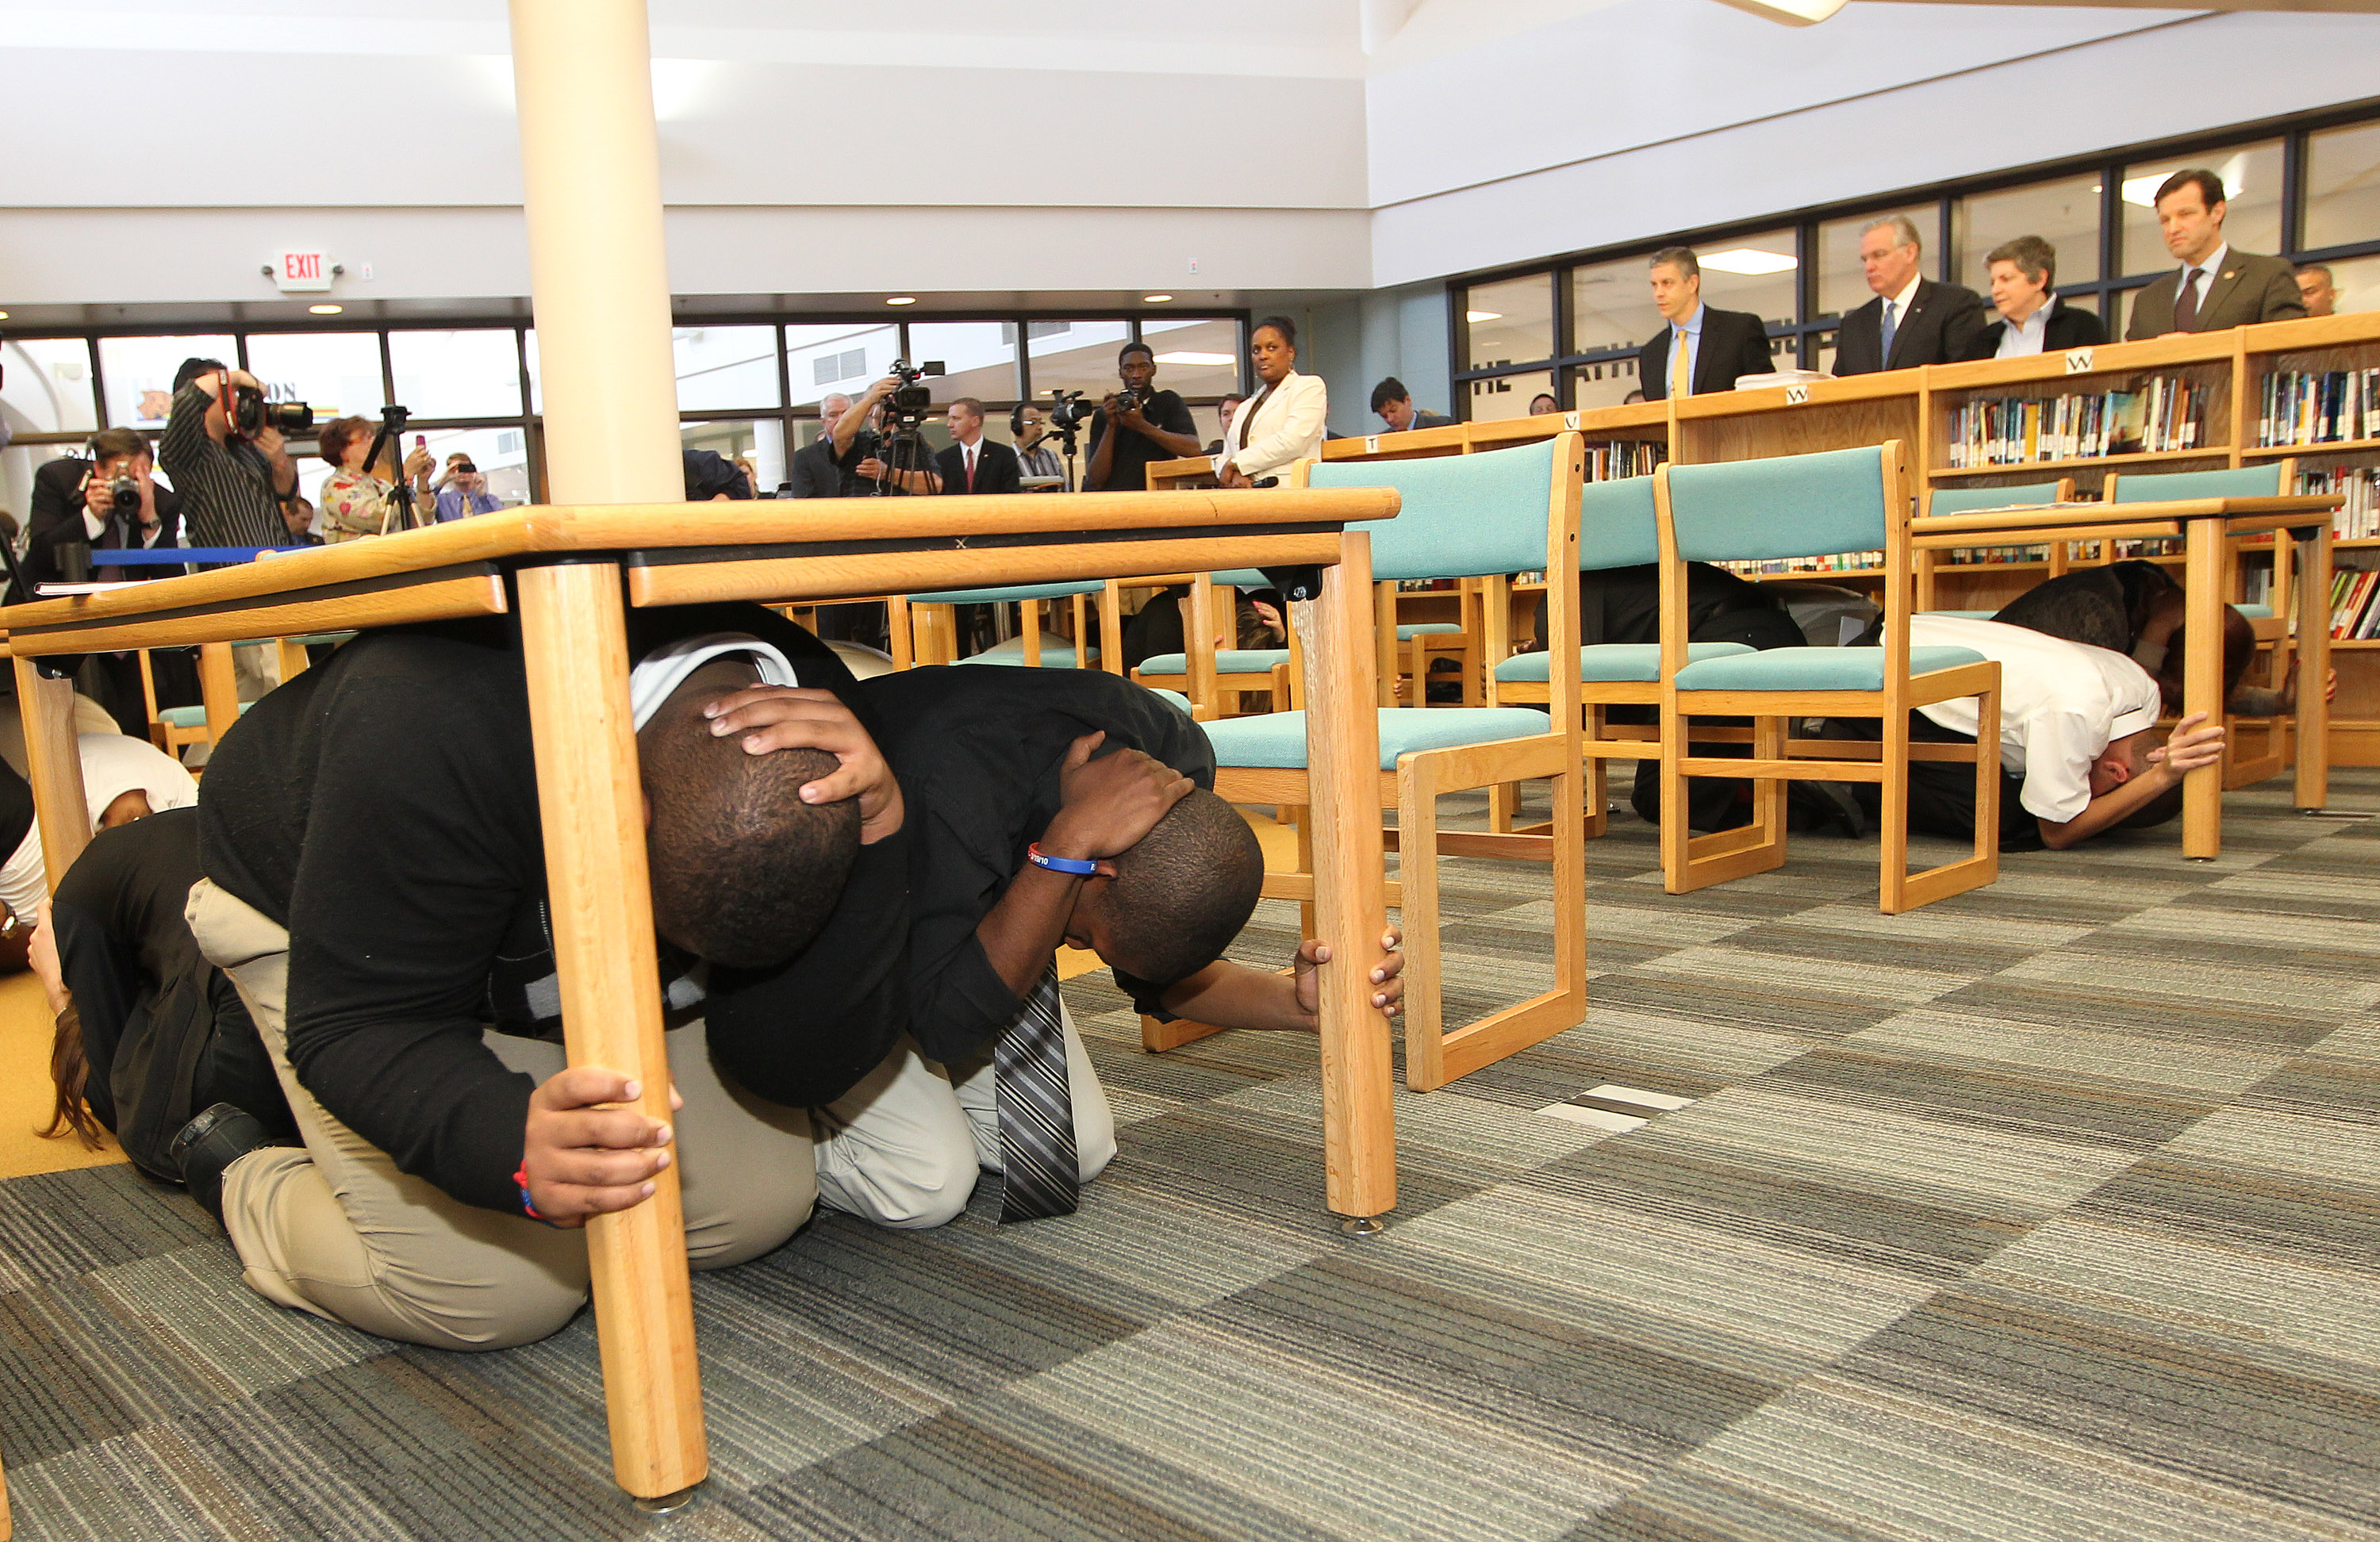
{"x":1886,"y":332}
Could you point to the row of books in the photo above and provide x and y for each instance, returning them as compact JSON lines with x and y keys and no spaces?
{"x":1624,"y":457}
{"x":1844,"y":562}
{"x":1991,"y":556}
{"x":2167,"y":412}
{"x":2300,"y":407}
{"x":2359,"y":517}
{"x":2355,"y":603}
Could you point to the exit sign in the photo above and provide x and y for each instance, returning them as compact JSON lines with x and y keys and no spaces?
{"x":302,"y":271}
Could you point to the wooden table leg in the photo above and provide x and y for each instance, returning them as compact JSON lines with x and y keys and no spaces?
{"x":2313,"y":747}
{"x":574,"y":635}
{"x":55,"y":760}
{"x":2202,"y":685}
{"x":1342,"y":737}
{"x":218,"y":688}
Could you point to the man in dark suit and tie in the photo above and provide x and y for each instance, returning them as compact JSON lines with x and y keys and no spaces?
{"x":1701,"y":349}
{"x":1912,"y":321}
{"x":974,"y":465}
{"x":1394,"y":404}
{"x":2216,"y":288}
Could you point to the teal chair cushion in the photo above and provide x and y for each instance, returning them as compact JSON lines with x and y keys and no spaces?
{"x":1277,"y":740}
{"x":1429,"y":630}
{"x":1013,"y":592}
{"x":1056,"y":653}
{"x":1176,"y":697}
{"x":190,"y":717}
{"x":1787,"y":506}
{"x":2255,"y":613}
{"x":1613,"y":663}
{"x":1228,"y":661}
{"x":1463,"y":515}
{"x":1967,"y":499}
{"x":1617,"y":527}
{"x":2246,"y":481}
{"x":1813,"y":669}
{"x":308,"y":640}
{"x":1964,"y":615}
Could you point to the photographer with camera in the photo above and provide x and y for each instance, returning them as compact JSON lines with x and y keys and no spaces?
{"x":224,"y":449}
{"x":463,"y":490}
{"x":107,"y":501}
{"x":358,"y":502}
{"x":1137,"y":425}
{"x":881,"y":429}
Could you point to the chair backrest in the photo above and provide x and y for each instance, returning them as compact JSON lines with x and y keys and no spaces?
{"x":1966,"y":500}
{"x":1000,"y":596}
{"x":1463,"y":516}
{"x":2246,"y":481}
{"x":1783,"y":506}
{"x":1617,"y":527}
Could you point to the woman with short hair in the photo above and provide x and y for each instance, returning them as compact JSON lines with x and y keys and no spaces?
{"x":2031,"y":320}
{"x":353,"y":501}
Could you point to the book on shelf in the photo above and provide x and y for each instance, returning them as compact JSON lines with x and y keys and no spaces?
{"x":1991,"y":556}
{"x":2164,"y":413}
{"x":2355,"y":604}
{"x":1841,"y":562}
{"x":1610,"y":461}
{"x":2357,"y":517}
{"x":2300,"y":407}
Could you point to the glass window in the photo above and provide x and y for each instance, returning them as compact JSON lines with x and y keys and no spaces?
{"x":846,"y":358}
{"x":758,"y":444}
{"x":1611,"y":306}
{"x":2065,"y":213}
{"x":1508,"y":396}
{"x":458,"y":374}
{"x":1509,"y":323}
{"x":1758,"y":273}
{"x":1073,"y":356}
{"x":2252,"y":187}
{"x":2342,"y":187}
{"x":1610,"y":383}
{"x":47,"y":385}
{"x":979,"y":358}
{"x":726,"y":367}
{"x":1842,"y":283}
{"x":2357,"y":279}
{"x":139,"y":373}
{"x":1196,"y":358}
{"x":337,"y":374}
{"x":500,"y":455}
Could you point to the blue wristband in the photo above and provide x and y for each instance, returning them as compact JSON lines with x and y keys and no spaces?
{"x":1059,"y":864}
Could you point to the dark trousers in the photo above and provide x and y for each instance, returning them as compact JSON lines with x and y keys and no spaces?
{"x":1941,"y":793}
{"x":1712,"y":802}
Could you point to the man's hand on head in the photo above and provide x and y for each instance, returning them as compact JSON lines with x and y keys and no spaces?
{"x":790,"y":717}
{"x":1387,"y":976}
{"x":1107,"y":806}
{"x":2195,"y":743}
{"x":580,"y":1157}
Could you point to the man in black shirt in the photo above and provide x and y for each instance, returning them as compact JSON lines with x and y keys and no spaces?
{"x":863,"y":450}
{"x":375,"y":887}
{"x":1154,"y":425}
{"x":1046,"y":805}
{"x":238,"y":491}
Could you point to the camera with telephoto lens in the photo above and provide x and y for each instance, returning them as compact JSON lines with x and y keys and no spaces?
{"x":250,"y":414}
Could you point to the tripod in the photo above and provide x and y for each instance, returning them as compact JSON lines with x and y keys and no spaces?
{"x":391,"y":430}
{"x":903,"y":451}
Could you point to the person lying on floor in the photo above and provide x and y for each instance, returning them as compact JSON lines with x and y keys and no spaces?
{"x":123,"y":780}
{"x":1045,"y":807}
{"x":2134,"y":607}
{"x":375,"y":888}
{"x":2080,"y":753}
{"x":147,"y":1032}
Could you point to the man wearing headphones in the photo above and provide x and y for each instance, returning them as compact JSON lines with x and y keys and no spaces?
{"x":1137,"y":425}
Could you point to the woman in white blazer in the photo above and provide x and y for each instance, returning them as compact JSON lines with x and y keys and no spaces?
{"x":1282,"y":422}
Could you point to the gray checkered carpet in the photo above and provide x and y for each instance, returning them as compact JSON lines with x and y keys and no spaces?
{"x":2048,"y":1212}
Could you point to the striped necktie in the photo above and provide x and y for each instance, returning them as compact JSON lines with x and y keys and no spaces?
{"x":1041,"y":1175}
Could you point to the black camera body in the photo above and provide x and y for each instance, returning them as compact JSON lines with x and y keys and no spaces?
{"x":250,"y":414}
{"x":124,"y":494}
{"x":908,"y":403}
{"x":1069,"y":413}
{"x":1128,"y":398}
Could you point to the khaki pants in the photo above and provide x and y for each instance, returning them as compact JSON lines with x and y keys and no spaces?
{"x":335,"y":1229}
{"x":903,"y":1147}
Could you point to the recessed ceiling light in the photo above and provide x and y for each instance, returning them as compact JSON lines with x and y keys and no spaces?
{"x":3,"y":315}
{"x":1748,"y":260}
{"x":1483,"y":315}
{"x":1155,"y":299}
{"x":1197,"y":358}
{"x":902,"y":300}
{"x":325,"y":309}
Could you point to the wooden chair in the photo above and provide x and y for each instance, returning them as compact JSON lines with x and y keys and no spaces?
{"x":1794,"y":506}
{"x":1463,"y":517}
{"x":1215,"y":679}
{"x":926,"y":620}
{"x":1966,"y":500}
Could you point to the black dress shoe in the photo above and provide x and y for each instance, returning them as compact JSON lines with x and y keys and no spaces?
{"x":211,"y":1143}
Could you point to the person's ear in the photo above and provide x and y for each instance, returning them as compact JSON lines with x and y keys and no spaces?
{"x":2118,"y":770}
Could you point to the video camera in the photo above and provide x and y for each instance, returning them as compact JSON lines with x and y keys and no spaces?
{"x":249,"y":414}
{"x":909,"y":402}
{"x":1069,"y":413}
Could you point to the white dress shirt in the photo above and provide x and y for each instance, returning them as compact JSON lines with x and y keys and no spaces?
{"x":2061,"y":705}
{"x":2019,"y":338}
{"x":1288,"y":426}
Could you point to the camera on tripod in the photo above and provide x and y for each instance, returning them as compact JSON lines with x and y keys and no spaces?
{"x":1069,"y":413}
{"x":908,"y":403}
{"x":250,"y":414}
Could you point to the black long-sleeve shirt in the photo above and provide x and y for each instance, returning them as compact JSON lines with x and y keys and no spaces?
{"x":383,"y":808}
{"x":978,"y":750}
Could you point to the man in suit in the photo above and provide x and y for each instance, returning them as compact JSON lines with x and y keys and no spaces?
{"x":1701,"y":349}
{"x":2216,"y":288}
{"x":2319,"y":288}
{"x":973,"y":464}
{"x":1912,"y":321}
{"x":1394,"y":404}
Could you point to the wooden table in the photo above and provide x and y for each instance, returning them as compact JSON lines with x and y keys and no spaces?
{"x":570,"y":574}
{"x":2205,"y":524}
